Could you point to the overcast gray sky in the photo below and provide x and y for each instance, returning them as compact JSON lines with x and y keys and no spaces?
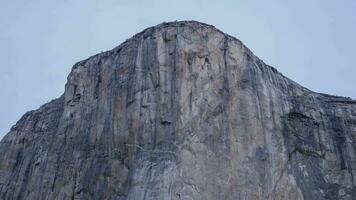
{"x":310,"y":41}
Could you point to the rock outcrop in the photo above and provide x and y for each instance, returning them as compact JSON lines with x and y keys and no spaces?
{"x":182,"y":111}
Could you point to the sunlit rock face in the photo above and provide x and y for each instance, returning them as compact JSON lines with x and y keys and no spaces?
{"x":182,"y":111}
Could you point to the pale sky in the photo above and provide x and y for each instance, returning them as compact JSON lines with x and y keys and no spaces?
{"x":310,"y":41}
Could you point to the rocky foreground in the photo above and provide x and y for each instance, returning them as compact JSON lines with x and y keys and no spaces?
{"x":182,"y":111}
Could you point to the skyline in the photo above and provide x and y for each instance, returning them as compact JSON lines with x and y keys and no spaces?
{"x":311,"y":43}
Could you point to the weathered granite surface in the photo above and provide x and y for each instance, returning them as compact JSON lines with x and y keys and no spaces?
{"x":182,"y":111}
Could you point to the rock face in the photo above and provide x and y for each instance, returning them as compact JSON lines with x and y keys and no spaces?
{"x":182,"y":111}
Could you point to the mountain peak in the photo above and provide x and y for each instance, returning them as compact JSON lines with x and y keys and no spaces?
{"x":181,"y":111}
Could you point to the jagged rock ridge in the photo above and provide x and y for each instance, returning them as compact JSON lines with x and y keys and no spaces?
{"x":182,"y":111}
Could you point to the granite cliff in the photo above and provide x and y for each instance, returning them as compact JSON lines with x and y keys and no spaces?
{"x":182,"y":111}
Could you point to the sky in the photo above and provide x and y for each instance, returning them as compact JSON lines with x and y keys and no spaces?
{"x":310,"y":41}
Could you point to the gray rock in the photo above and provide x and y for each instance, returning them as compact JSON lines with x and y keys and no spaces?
{"x":182,"y":111}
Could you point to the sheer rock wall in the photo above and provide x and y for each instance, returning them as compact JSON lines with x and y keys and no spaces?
{"x":182,"y":111}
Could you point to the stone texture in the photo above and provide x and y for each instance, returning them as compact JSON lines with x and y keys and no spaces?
{"x":182,"y":111}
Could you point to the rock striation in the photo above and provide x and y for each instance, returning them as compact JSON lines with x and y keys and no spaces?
{"x":182,"y":111}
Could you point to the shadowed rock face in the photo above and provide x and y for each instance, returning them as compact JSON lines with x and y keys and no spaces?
{"x":182,"y":111}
